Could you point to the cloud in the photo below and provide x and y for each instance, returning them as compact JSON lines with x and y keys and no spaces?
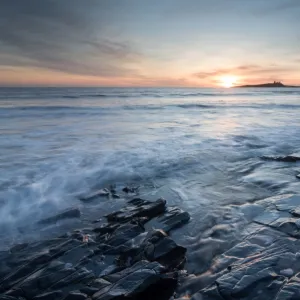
{"x":245,"y":70}
{"x":67,"y":36}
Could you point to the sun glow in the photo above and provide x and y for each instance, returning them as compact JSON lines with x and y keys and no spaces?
{"x":228,"y":81}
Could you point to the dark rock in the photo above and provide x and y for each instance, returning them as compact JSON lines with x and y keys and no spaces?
{"x":118,"y":260}
{"x":49,"y":296}
{"x":288,"y":158}
{"x":173,"y":218}
{"x":41,"y":280}
{"x":89,"y":290}
{"x":290,"y":291}
{"x":106,"y":228}
{"x":67,"y":214}
{"x":157,"y":246}
{"x":76,"y":295}
{"x":136,"y":282}
{"x":18,"y":247}
{"x":123,"y":234}
{"x":128,"y":190}
{"x":138,"y":208}
{"x":6,"y":297}
{"x":95,"y":195}
{"x":81,"y":275}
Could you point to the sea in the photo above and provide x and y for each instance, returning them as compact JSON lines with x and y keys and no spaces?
{"x":200,"y":149}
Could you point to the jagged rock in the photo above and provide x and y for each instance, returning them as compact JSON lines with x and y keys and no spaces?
{"x":288,"y":158}
{"x":76,"y":295}
{"x":137,"y":281}
{"x":124,"y":233}
{"x":173,"y":218}
{"x":67,"y":214}
{"x":138,"y":208}
{"x":291,"y":290}
{"x":128,"y":190}
{"x":18,"y":247}
{"x":49,"y":296}
{"x":156,"y":246}
{"x":117,"y":260}
{"x":6,"y":297}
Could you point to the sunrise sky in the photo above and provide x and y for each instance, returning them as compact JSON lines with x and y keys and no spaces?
{"x":149,"y":43}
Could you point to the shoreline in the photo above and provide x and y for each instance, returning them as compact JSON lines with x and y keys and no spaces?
{"x":132,"y":255}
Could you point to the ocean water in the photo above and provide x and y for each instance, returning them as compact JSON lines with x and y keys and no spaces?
{"x":198,"y":148}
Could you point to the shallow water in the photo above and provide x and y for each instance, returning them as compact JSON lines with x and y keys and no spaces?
{"x":198,"y":148}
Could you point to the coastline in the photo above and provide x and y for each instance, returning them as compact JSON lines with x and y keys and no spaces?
{"x":130,"y":254}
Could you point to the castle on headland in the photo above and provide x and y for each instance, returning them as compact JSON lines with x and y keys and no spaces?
{"x":274,"y":84}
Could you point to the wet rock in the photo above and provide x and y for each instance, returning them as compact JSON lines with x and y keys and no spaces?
{"x":67,"y":214}
{"x":288,"y":203}
{"x":124,"y":233}
{"x":81,"y":275}
{"x":290,"y":290}
{"x":119,"y":260}
{"x":6,"y":297}
{"x":49,"y":296}
{"x":137,"y":281}
{"x":156,"y":246}
{"x":89,"y":290}
{"x":138,"y":208}
{"x":76,"y":295}
{"x":95,"y":195}
{"x":287,"y":272}
{"x":41,"y":280}
{"x":132,"y":190}
{"x":173,"y":218}
{"x":288,"y":158}
{"x":18,"y":247}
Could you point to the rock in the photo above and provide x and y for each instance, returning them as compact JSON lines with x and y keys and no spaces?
{"x":136,"y":281}
{"x":89,"y":290}
{"x":298,"y":176}
{"x":95,"y":195}
{"x":288,"y":203}
{"x":290,"y":290}
{"x":288,"y":158}
{"x":128,"y":190}
{"x":287,"y":272}
{"x":156,"y":246}
{"x":123,"y":234}
{"x":120,"y":261}
{"x":6,"y":297}
{"x":173,"y":218}
{"x":138,"y":208}
{"x":49,"y":296}
{"x":81,"y":275}
{"x":18,"y":247}
{"x":76,"y":295}
{"x":67,"y":214}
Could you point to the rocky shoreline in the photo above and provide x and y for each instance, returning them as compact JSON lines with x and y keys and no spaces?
{"x":131,"y":255}
{"x":118,"y":259}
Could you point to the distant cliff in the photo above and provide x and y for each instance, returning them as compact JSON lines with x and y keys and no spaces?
{"x":275,"y":84}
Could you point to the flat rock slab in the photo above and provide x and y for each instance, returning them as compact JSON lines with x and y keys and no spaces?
{"x":265,"y":265}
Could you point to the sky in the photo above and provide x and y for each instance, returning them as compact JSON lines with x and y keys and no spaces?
{"x":149,"y":43}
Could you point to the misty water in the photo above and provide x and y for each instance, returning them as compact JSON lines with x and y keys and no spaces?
{"x":200,"y":149}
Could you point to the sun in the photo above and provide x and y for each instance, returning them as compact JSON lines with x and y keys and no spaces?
{"x":228,"y":81}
